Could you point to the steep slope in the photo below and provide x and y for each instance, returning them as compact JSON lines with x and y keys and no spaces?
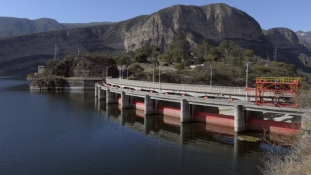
{"x":17,"y":26}
{"x":288,"y":48}
{"x":282,"y":37}
{"x":304,"y":36}
{"x":10,"y":26}
{"x":215,"y":22}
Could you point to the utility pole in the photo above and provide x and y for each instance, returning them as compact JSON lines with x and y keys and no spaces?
{"x":159,"y":78}
{"x":78,"y":51}
{"x":275,"y":55}
{"x":55,"y":53}
{"x":246,"y":84}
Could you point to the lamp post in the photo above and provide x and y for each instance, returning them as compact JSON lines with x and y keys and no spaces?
{"x":153,"y":74}
{"x":120,"y":72}
{"x":246,"y":84}
{"x":153,"y":69}
{"x":211,"y":76}
{"x":211,"y":80}
{"x":159,"y":78}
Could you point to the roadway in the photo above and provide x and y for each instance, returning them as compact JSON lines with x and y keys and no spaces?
{"x":157,"y":91}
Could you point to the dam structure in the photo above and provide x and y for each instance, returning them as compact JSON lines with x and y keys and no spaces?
{"x":198,"y":103}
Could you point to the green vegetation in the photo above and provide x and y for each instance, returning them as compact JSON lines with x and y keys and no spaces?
{"x":228,"y":61}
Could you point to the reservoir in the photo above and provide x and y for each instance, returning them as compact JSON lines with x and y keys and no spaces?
{"x":71,"y":132}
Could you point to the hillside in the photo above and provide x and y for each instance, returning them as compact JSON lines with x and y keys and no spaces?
{"x":214,"y":22}
{"x":10,"y":26}
{"x":304,"y":35}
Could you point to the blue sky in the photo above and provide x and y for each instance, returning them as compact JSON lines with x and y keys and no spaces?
{"x":291,"y":14}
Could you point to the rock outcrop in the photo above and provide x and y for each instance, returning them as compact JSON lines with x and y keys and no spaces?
{"x":10,"y":26}
{"x":282,"y":37}
{"x":214,"y":22}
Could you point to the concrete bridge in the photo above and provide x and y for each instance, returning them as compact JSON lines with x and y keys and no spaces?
{"x":192,"y":102}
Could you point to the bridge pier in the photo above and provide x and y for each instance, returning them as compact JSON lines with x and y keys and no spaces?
{"x":95,"y":88}
{"x":149,"y":105}
{"x":101,"y":93}
{"x":186,"y":111}
{"x":125,"y":101}
{"x":111,"y":97}
{"x":240,"y":123}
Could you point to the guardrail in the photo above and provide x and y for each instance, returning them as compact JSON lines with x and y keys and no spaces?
{"x":179,"y":87}
{"x":208,"y":102}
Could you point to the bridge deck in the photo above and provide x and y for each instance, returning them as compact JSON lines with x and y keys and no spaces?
{"x":195,"y":100}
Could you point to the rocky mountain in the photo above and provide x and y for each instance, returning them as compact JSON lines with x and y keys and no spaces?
{"x":281,"y":37}
{"x":287,"y":47}
{"x":304,"y":36}
{"x":10,"y":26}
{"x":214,"y":22}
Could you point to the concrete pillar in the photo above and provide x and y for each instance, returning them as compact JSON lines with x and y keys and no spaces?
{"x":184,"y":111}
{"x":239,"y":119}
{"x":101,"y":93}
{"x":110,"y":97}
{"x":156,"y":104}
{"x":149,"y":105}
{"x":96,"y":86}
{"x":125,"y":101}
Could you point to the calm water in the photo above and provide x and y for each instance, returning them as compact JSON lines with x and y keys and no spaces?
{"x":73,"y":133}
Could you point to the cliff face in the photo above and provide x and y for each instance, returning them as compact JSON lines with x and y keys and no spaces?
{"x":288,"y":48}
{"x":214,"y":22}
{"x":282,"y":37}
{"x":10,"y":26}
{"x":18,"y":26}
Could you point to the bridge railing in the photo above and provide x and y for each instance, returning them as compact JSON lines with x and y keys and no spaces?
{"x":177,"y":87}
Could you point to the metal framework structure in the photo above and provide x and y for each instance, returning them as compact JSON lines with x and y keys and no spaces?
{"x":277,"y":87}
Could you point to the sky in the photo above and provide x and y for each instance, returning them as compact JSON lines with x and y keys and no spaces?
{"x":295,"y":15}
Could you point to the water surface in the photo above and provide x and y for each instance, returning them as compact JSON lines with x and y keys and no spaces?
{"x":71,"y":132}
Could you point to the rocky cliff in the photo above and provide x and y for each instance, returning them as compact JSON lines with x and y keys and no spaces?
{"x":214,"y":22}
{"x":288,"y":48}
{"x":282,"y":37}
{"x":10,"y":26}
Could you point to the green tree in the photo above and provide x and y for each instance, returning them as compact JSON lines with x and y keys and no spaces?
{"x":135,"y":68}
{"x":177,"y":51}
{"x":228,"y":50}
{"x":51,"y":67}
{"x":247,"y":54}
{"x":179,"y":66}
{"x":141,"y":57}
{"x":201,"y":52}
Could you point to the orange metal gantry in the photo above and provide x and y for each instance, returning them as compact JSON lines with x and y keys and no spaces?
{"x":277,"y":87}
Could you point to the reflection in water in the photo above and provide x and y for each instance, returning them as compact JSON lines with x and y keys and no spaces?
{"x":71,"y":132}
{"x":170,"y":128}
